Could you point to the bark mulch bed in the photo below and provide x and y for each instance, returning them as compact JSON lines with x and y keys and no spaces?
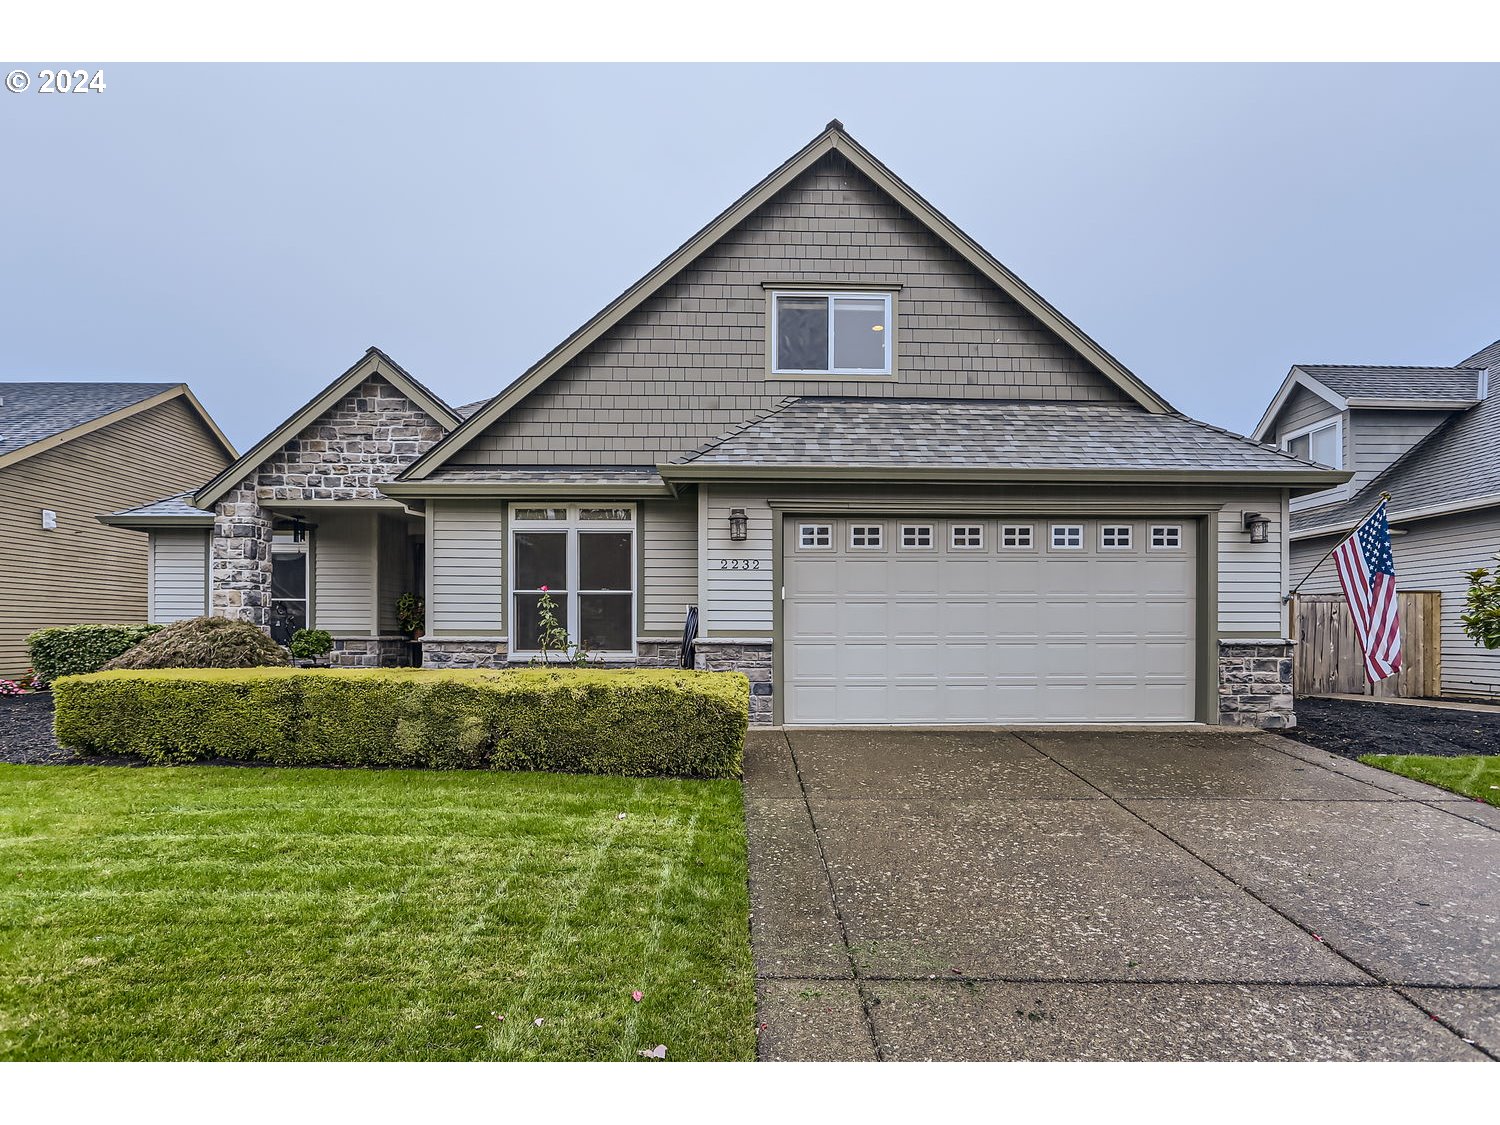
{"x":1350,"y":729}
{"x":26,"y":735}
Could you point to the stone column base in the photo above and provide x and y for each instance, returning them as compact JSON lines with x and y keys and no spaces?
{"x":372,"y":652}
{"x":464,"y":654}
{"x":753,"y":658}
{"x":658,"y":654}
{"x":1255,"y":684}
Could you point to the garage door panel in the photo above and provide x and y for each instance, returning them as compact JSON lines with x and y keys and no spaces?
{"x":989,"y":635}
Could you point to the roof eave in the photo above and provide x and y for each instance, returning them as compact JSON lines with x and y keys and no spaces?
{"x":1301,"y":481}
{"x":427,"y":490}
{"x":1295,"y":378}
{"x":1412,"y":403}
{"x":148,"y":523}
{"x":1398,"y":518}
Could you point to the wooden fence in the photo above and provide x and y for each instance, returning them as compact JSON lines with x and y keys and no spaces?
{"x":1327,"y":659}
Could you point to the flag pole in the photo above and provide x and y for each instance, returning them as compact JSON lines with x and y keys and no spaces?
{"x":1385,"y":498}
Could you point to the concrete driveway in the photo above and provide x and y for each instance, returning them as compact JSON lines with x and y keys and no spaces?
{"x":1114,"y":895}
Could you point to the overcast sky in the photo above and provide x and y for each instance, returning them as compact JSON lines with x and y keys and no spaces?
{"x":250,"y":230}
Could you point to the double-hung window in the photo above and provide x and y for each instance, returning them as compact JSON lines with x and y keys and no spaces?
{"x":830,"y":333}
{"x":582,"y":558}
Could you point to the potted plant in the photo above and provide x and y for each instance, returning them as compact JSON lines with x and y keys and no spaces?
{"x":309,"y":645}
{"x":411,"y":615}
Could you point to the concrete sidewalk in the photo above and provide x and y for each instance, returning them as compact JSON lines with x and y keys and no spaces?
{"x":1094,"y":895}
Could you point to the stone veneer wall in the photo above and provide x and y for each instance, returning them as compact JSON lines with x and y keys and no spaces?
{"x":363,"y":440}
{"x":1255,"y":684}
{"x":658,"y":654}
{"x":753,"y":658}
{"x":240,"y":559}
{"x":371,"y":652}
{"x":464,"y":654}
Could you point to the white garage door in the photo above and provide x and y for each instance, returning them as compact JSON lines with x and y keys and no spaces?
{"x":930,"y":621}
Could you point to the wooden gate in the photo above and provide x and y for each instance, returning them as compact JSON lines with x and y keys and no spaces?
{"x":1327,"y":659}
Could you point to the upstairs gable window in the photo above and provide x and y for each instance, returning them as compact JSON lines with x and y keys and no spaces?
{"x":1322,"y":443}
{"x":831,"y":333}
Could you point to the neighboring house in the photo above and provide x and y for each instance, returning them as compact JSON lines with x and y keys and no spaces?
{"x":898,"y":486}
{"x":69,"y":452}
{"x":1430,"y":436}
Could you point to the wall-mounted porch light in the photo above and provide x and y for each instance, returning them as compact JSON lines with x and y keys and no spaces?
{"x":1258,"y":526}
{"x":739,"y":525}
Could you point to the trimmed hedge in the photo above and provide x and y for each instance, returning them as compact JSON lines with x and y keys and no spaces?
{"x":72,"y":650}
{"x":635,"y":722}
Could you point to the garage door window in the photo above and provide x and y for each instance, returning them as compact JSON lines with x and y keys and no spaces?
{"x":1115,"y":537}
{"x":1015,"y":536}
{"x":815,"y":536}
{"x":1166,"y":537}
{"x":1067,"y":536}
{"x":916,"y":536}
{"x":866,"y":537}
{"x":966,"y":537}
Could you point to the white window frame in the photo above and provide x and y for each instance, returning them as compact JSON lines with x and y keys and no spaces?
{"x":954,"y":545}
{"x":877,"y":528}
{"x":818,"y":532}
{"x":833,"y":295}
{"x":1127,"y":528}
{"x":1174,"y":528}
{"x":915,"y":529}
{"x":571,"y":527}
{"x":1053,"y":529}
{"x":1011,"y":530}
{"x":1336,"y":424}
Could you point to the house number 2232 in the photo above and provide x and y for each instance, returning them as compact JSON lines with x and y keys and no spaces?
{"x":739,"y":564}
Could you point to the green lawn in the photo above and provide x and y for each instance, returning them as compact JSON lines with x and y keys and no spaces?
{"x":1473,"y":776}
{"x":208,"y":913}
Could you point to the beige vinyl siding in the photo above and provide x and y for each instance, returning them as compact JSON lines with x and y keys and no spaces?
{"x":466,"y":571}
{"x":1433,"y":555}
{"x":1379,"y":437}
{"x":691,"y":362}
{"x":1251,"y":576}
{"x":669,"y":564}
{"x":83,"y":571}
{"x":395,"y":576}
{"x":179,"y":576}
{"x":344,"y":569}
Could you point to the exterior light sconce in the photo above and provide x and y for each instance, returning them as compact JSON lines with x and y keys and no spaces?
{"x":299,"y":530}
{"x":1258,"y":526}
{"x":739,"y":525}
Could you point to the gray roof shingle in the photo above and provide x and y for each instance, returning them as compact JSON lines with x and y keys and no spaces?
{"x":1448,"y":384}
{"x":33,"y":412}
{"x":173,"y":507}
{"x":986,"y":434}
{"x":1458,"y":462}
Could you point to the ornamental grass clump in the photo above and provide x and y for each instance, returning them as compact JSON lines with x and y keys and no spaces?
{"x":204,"y":642}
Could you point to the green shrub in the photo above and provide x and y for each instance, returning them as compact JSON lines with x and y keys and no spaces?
{"x":204,"y":642}
{"x":71,"y":650}
{"x":636,"y":722}
{"x":309,"y":644}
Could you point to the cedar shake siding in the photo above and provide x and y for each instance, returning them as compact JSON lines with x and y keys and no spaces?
{"x":83,"y":571}
{"x":691,"y":362}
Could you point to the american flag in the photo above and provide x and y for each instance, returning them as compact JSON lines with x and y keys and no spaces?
{"x":1367,"y":572}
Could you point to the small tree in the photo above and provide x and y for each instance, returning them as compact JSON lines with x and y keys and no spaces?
{"x":1482,"y":622}
{"x":551,"y":635}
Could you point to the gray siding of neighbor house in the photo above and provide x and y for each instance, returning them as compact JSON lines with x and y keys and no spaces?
{"x":466,"y":569}
{"x":1433,"y":555}
{"x":1379,"y":437}
{"x":83,"y":571}
{"x":669,"y":565}
{"x":691,"y":362}
{"x":344,"y":572}
{"x":179,"y":576}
